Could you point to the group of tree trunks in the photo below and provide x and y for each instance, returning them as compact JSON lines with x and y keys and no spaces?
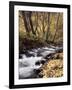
{"x":28,"y":24}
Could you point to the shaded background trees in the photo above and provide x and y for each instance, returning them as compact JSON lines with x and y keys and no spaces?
{"x":46,"y":27}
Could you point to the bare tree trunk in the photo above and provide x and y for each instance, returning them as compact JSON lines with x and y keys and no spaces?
{"x":37,"y":26}
{"x":31,"y":25}
{"x":28,"y":22}
{"x":56,"y":27}
{"x":43,"y":24}
{"x":48,"y":26}
{"x":36,"y":19}
{"x":25,"y":19}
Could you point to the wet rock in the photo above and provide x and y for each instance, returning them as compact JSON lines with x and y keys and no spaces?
{"x":37,"y":63}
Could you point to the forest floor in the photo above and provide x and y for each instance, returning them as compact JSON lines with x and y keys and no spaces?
{"x":53,"y":67}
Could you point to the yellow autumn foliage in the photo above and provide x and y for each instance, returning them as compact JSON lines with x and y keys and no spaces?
{"x":53,"y":68}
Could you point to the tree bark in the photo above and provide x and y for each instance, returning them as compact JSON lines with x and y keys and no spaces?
{"x":31,"y":25}
{"x":56,"y":27}
{"x":43,"y":24}
{"x":27,"y":21}
{"x":48,"y":26}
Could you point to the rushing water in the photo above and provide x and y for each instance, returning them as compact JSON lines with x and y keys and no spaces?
{"x":32,"y":60}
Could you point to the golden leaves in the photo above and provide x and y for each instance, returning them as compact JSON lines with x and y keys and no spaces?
{"x":53,"y":68}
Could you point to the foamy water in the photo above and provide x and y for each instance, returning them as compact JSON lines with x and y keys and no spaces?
{"x":31,"y":61}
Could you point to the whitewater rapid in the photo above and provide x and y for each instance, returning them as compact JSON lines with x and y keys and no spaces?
{"x":32,"y":60}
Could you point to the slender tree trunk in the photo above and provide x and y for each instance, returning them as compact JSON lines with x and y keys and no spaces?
{"x":31,"y":25}
{"x":37,"y":26}
{"x":25,"y":19}
{"x":56,"y":27}
{"x":48,"y":26}
{"x":43,"y":24}
{"x":36,"y":20}
{"x":28,"y":22}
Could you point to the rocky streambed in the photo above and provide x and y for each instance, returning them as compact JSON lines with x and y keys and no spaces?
{"x":41,"y":62}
